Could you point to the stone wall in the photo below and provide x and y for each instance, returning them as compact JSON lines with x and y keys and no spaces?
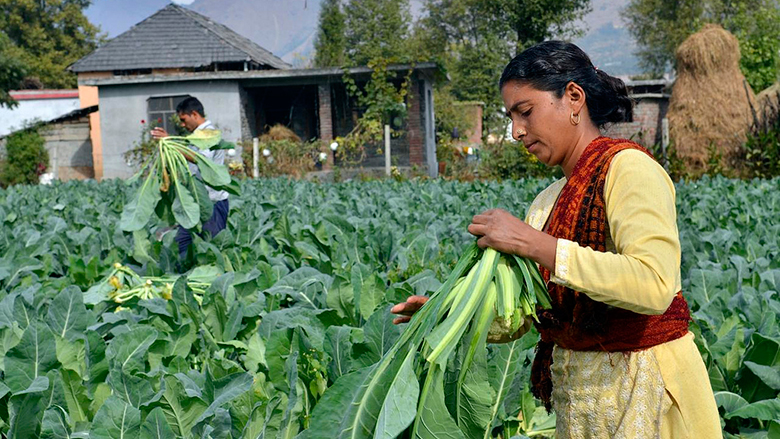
{"x":70,"y":149}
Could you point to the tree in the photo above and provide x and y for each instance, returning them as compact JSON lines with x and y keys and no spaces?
{"x":659,"y":26}
{"x":12,"y":71}
{"x":330,"y":44}
{"x":49,"y":35}
{"x":474,"y":39}
{"x":26,"y":158}
{"x":377,"y":29}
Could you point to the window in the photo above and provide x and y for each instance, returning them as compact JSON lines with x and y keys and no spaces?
{"x":162,"y":109}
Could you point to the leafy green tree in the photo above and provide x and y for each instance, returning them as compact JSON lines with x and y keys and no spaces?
{"x":12,"y":71}
{"x":26,"y":158}
{"x":377,"y":29}
{"x":474,"y":39}
{"x":330,"y":45}
{"x":49,"y":35}
{"x":659,"y":27}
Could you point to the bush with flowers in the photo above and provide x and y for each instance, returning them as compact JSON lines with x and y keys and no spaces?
{"x":145,"y":146}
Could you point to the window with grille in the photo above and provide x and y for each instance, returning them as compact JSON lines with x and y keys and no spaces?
{"x":162,"y":109}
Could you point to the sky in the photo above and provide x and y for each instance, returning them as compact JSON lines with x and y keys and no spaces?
{"x":287,"y":28}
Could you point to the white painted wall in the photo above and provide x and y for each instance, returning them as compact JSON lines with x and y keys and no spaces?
{"x":30,"y":111}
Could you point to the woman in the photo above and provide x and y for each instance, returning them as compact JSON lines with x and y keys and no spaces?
{"x":616,"y":359}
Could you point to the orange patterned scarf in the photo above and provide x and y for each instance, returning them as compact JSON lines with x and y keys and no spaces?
{"x":576,"y":321}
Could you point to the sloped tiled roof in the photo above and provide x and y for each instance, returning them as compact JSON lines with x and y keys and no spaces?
{"x":175,"y":37}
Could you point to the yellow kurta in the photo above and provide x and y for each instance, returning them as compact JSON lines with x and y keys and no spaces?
{"x":662,"y":392}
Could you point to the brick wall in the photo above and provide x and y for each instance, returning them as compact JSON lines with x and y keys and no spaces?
{"x":415,"y":133}
{"x":646,"y":126}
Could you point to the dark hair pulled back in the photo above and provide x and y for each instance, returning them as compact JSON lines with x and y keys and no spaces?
{"x":551,"y":65}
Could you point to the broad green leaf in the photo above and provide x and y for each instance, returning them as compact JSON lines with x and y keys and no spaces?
{"x":341,"y":298}
{"x":219,"y":392}
{"x":33,"y":357}
{"x":278,"y":349}
{"x":133,"y":389}
{"x":379,"y":336}
{"x":180,"y":410}
{"x":212,"y":173}
{"x":25,"y":413}
{"x":368,"y":290}
{"x":265,"y":419}
{"x":764,"y":351}
{"x":400,"y":405}
{"x":116,"y":419}
{"x":289,"y":426}
{"x":765,"y":410}
{"x":97,"y":363}
{"x":768,"y":374}
{"x":72,"y":355}
{"x":338,"y":346}
{"x":503,"y":367}
{"x":55,"y":424}
{"x":137,"y":213}
{"x":201,"y":196}
{"x":182,"y":339}
{"x":141,"y":247}
{"x":730,"y":402}
{"x":350,"y":408}
{"x":67,"y":316}
{"x":76,"y":397}
{"x":433,"y":418}
{"x":185,"y":209}
{"x":305,"y":285}
{"x":255,"y":353}
{"x":205,"y":138}
{"x":306,"y":319}
{"x":156,"y":426}
{"x":127,"y":350}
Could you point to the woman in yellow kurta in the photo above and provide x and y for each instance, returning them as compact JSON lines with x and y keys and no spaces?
{"x":655,"y":386}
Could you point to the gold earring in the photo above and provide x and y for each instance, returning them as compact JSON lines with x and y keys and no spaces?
{"x":574,"y":118}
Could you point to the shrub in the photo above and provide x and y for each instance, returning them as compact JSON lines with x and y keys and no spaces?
{"x":510,"y":160}
{"x":26,"y":158}
{"x":762,"y":147}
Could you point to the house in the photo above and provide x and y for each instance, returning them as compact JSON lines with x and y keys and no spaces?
{"x":65,"y":128}
{"x":143,"y":73}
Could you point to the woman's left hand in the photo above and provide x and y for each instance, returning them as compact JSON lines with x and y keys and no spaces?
{"x":501,"y":231}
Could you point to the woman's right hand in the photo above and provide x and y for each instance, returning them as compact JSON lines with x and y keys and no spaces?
{"x":407,"y":309}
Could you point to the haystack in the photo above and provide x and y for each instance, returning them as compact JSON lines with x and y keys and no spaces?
{"x":280,"y":132}
{"x":711,"y":101}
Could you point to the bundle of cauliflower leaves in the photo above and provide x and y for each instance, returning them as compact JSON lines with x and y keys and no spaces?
{"x":169,"y":188}
{"x":433,"y":382}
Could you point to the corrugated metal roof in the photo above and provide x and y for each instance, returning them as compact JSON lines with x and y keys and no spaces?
{"x":175,"y":37}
